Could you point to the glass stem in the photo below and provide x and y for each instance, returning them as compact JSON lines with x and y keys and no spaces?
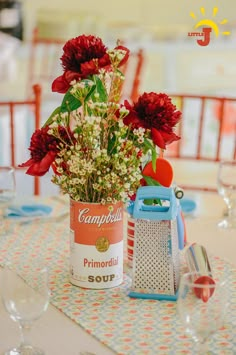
{"x":231,"y":211}
{"x":202,"y":347}
{"x":24,"y":334}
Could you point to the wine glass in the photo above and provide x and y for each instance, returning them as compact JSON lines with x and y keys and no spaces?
{"x":226,"y":182}
{"x":7,"y":193}
{"x":25,"y":295}
{"x":202,"y":304}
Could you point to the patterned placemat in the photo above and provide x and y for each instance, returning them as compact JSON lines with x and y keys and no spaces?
{"x":128,"y":326}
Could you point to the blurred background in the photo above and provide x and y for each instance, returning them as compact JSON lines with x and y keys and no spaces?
{"x":156,"y":31}
{"x":173,"y":60}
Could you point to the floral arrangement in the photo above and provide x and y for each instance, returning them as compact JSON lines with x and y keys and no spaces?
{"x":95,"y":144}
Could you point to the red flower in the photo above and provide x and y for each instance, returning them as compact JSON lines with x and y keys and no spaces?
{"x":83,"y":56}
{"x":62,"y":83}
{"x":156,"y":113}
{"x":126,"y":56}
{"x":43,"y":149}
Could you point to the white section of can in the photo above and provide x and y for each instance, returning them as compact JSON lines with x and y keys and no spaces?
{"x":90,"y":268}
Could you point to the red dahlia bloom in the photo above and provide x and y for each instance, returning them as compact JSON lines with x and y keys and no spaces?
{"x":156,"y":113}
{"x":43,"y":149}
{"x":83,"y":56}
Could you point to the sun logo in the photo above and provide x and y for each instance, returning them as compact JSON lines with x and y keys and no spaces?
{"x":211,"y":25}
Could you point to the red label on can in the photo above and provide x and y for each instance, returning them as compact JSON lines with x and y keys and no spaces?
{"x":91,"y":221}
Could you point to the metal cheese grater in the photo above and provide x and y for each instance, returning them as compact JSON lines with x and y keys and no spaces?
{"x":156,"y":261}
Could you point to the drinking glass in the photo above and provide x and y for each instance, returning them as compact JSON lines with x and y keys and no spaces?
{"x":202,"y":306}
{"x":25,"y":295}
{"x":226,"y":182}
{"x":7,"y":194}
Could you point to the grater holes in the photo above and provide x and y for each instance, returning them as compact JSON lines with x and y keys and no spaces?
{"x":156,"y":256}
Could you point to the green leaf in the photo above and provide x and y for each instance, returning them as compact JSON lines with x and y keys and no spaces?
{"x":55,"y":112}
{"x":151,"y":202}
{"x":69,"y":103}
{"x":111,"y":142}
{"x":154,"y":160}
{"x":90,"y":92}
{"x":100,"y":89}
{"x":150,"y":181}
{"x":148,"y":202}
{"x":87,"y":86}
{"x":148,"y":144}
{"x":151,"y":147}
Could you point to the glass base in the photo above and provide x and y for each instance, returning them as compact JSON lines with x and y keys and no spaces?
{"x":25,"y":350}
{"x":227,"y":223}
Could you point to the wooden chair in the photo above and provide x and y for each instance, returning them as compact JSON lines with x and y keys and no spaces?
{"x":18,"y":120}
{"x":208,"y":135}
{"x":133,"y":70}
{"x":44,"y":61}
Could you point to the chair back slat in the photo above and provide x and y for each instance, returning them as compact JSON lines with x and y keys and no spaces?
{"x":11,"y":109}
{"x":12,"y":133}
{"x":199,"y":142}
{"x":135,"y":89}
{"x":220,"y":131}
{"x":235,"y":141}
{"x":207,"y":131}
{"x":44,"y":61}
{"x":133,"y":70}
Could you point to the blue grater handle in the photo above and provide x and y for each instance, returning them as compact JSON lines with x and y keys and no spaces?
{"x":142,"y":211}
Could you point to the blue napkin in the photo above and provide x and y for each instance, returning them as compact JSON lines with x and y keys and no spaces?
{"x":33,"y":210}
{"x":188,"y":205}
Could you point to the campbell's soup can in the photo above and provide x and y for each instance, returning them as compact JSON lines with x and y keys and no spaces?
{"x":96,"y":244}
